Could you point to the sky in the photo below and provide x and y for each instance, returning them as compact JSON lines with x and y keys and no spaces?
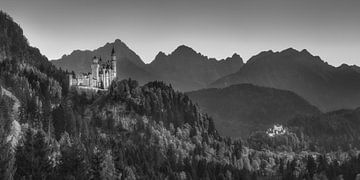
{"x":215,"y":28}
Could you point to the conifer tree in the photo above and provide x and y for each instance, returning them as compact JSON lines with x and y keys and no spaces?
{"x":6,"y":157}
{"x":32,"y":158}
{"x":108,"y":170}
{"x":95,"y":164}
{"x":73,"y":161}
{"x":311,"y":166}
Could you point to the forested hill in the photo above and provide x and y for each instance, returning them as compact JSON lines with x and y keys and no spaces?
{"x":330,"y":130}
{"x":15,"y":47}
{"x":240,"y":109}
{"x":28,"y":75}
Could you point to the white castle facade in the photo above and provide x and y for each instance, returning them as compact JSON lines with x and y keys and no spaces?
{"x":101,"y":75}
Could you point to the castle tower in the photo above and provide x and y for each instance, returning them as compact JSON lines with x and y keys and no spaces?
{"x":94,"y":72}
{"x":70,"y":80}
{"x":113,"y":65}
{"x":95,"y":68}
{"x":103,"y":77}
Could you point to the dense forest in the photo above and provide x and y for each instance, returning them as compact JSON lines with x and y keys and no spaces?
{"x":51,"y":131}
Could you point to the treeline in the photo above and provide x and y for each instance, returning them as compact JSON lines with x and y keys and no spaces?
{"x":329,"y":131}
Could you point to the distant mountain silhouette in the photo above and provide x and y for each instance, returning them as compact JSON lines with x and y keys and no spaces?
{"x":189,"y":70}
{"x":356,"y":68}
{"x":240,"y":109}
{"x":129,"y":63}
{"x":184,"y":68}
{"x":327,"y":87}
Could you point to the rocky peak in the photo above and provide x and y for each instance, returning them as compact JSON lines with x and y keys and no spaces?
{"x":184,"y":50}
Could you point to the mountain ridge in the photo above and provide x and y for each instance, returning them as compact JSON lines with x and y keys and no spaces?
{"x":323,"y":85}
{"x":184,"y":68}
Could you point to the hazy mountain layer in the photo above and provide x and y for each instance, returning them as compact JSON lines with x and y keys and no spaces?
{"x":327,"y":87}
{"x":240,"y":109}
{"x":188,"y":70}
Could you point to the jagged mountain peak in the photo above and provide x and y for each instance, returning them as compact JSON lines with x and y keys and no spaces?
{"x":305,"y":51}
{"x":118,"y":41}
{"x":349,"y":68}
{"x":79,"y":60}
{"x":356,"y":68}
{"x":160,"y":55}
{"x":184,"y":50}
{"x":294,"y":52}
{"x":344,"y":66}
{"x":235,"y":58}
{"x":235,"y":55}
{"x":290,"y":51}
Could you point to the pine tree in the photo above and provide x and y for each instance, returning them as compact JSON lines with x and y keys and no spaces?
{"x":6,"y":154}
{"x":311,"y":166}
{"x":7,"y":159}
{"x":281,"y":167}
{"x":32,"y":158}
{"x":73,"y":161}
{"x":108,"y":170}
{"x":95,"y":164}
{"x":323,"y":165}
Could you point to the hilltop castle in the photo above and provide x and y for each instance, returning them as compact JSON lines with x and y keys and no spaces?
{"x":101,"y":75}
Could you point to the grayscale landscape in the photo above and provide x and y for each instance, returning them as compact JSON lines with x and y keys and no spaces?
{"x":178,"y":90}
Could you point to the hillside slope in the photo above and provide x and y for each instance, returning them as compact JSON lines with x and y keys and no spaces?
{"x":240,"y":109}
{"x":329,"y":130}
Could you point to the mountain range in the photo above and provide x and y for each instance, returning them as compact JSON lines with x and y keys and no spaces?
{"x":129,"y":64}
{"x":325,"y":86}
{"x":184,"y":68}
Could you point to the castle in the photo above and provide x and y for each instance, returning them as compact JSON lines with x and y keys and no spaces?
{"x":101,"y":75}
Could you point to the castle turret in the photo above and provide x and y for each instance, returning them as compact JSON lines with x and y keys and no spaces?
{"x":113,"y":57}
{"x":70,"y":76}
{"x":113,"y":65}
{"x":94,"y":72}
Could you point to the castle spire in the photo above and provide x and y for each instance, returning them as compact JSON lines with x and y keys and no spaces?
{"x":113,"y":51}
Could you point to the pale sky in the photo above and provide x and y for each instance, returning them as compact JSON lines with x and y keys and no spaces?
{"x":216,"y":28}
